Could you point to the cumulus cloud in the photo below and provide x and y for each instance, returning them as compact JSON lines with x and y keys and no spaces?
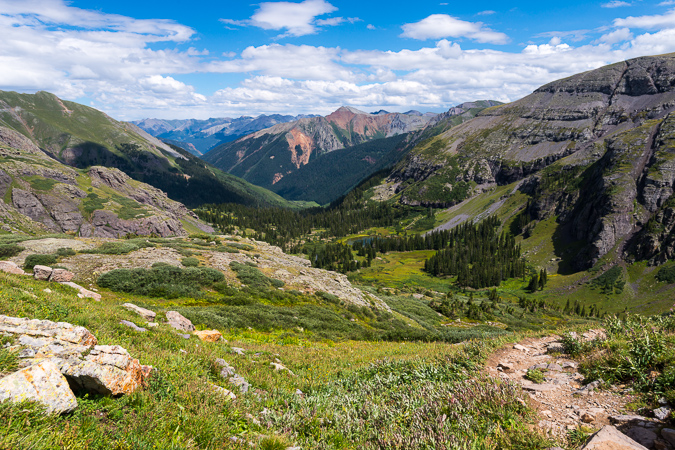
{"x":616,"y":36}
{"x":438,"y":26}
{"x":298,"y":19}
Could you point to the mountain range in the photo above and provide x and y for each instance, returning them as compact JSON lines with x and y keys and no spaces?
{"x":199,"y":136}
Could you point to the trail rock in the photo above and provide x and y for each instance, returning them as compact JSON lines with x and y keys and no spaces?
{"x":133,"y":326}
{"x":179,"y":322}
{"x":208,"y":335}
{"x":521,"y":348}
{"x":669,"y":435}
{"x":144,"y":313}
{"x":42,"y":272}
{"x":609,"y":438}
{"x":43,"y":383}
{"x":642,"y":435}
{"x":11,"y":267}
{"x":662,"y":413}
{"x":61,"y":275}
{"x":541,"y":387}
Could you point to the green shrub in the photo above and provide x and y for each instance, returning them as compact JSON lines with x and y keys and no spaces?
{"x":190,"y":262}
{"x":120,"y":247}
{"x":9,"y":250}
{"x":666,"y":274}
{"x":535,"y":376}
{"x":251,"y":276}
{"x":161,"y":281}
{"x":328,"y":297}
{"x":38,"y":260}
{"x":65,"y":252}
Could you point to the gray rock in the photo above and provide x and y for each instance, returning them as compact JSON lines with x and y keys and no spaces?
{"x":43,"y":383}
{"x":238,"y":351}
{"x":555,"y":347}
{"x":61,"y":276}
{"x":42,"y":272}
{"x":29,"y":205}
{"x":609,"y":438}
{"x":521,"y":348}
{"x":669,"y":435}
{"x":144,"y":313}
{"x":133,"y":326}
{"x":82,"y":292}
{"x":662,"y":413}
{"x":179,"y":322}
{"x":227,"y":370}
{"x":623,"y":419}
{"x":642,"y":435}
{"x":239,"y":381}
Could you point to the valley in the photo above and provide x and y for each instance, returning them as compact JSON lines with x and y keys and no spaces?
{"x":495,"y":276}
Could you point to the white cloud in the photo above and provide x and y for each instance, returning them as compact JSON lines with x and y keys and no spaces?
{"x":615,"y":4}
{"x":667,"y":3}
{"x":438,"y":26}
{"x":666,"y":20}
{"x":298,"y":19}
{"x":616,"y":36}
{"x":370,"y":26}
{"x":488,"y":12}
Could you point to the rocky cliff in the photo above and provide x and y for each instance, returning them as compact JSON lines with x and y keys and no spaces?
{"x":593,"y":149}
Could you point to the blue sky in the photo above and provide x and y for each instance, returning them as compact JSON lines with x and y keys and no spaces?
{"x":136,"y":59}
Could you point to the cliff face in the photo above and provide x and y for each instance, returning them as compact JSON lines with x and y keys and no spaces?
{"x":267,"y":156}
{"x":594,"y":149}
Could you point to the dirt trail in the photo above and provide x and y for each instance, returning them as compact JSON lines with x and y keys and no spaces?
{"x":563,"y":400}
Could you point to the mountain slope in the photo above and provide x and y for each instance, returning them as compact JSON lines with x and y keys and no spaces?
{"x":594,"y":151}
{"x":267,"y":156}
{"x":41,"y":194}
{"x":82,"y":137}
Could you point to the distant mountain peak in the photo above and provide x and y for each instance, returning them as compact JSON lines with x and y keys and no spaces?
{"x":380,"y":112}
{"x":350,"y":109}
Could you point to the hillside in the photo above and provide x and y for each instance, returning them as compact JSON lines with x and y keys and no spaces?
{"x":591,"y":152}
{"x":199,"y":136}
{"x":83,"y":137}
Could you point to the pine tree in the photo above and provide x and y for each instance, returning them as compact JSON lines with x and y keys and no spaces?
{"x":533,"y":286}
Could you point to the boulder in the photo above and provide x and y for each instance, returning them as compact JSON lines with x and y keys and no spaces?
{"x":11,"y":267}
{"x":642,"y":435}
{"x":609,"y":438}
{"x":83,"y":293}
{"x":61,"y":275}
{"x":144,"y":313}
{"x":43,"y":383}
{"x":107,"y":369}
{"x":669,"y":435}
{"x":133,"y":326}
{"x":208,"y":335}
{"x":662,"y":413}
{"x":42,"y":272}
{"x":179,"y":322}
{"x":63,"y":333}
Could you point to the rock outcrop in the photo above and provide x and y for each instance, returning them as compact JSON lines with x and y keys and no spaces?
{"x":609,"y":438}
{"x":87,"y":367}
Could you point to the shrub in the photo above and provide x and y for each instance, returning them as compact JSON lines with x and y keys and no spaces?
{"x":65,"y":252}
{"x":190,"y":262}
{"x":120,"y":247}
{"x":9,"y":250}
{"x":38,"y":260}
{"x":666,"y":274}
{"x":161,"y":281}
{"x":328,"y":297}
{"x":535,"y":376}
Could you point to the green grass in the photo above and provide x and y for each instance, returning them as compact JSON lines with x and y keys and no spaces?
{"x":356,"y":393}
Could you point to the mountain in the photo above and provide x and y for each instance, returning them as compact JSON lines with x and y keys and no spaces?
{"x":199,"y":136}
{"x":82,"y":137}
{"x":593,"y":152}
{"x":267,"y":156}
{"x":41,"y":194}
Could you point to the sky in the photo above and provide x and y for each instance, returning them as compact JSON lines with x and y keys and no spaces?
{"x":201,"y":59}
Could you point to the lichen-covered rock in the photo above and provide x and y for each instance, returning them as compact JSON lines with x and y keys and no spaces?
{"x":144,"y":313}
{"x":61,"y":276}
{"x":42,"y":272}
{"x":133,"y":326}
{"x":60,"y":332}
{"x":107,"y":369}
{"x":208,"y":335}
{"x":43,"y":383}
{"x":178,"y":321}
